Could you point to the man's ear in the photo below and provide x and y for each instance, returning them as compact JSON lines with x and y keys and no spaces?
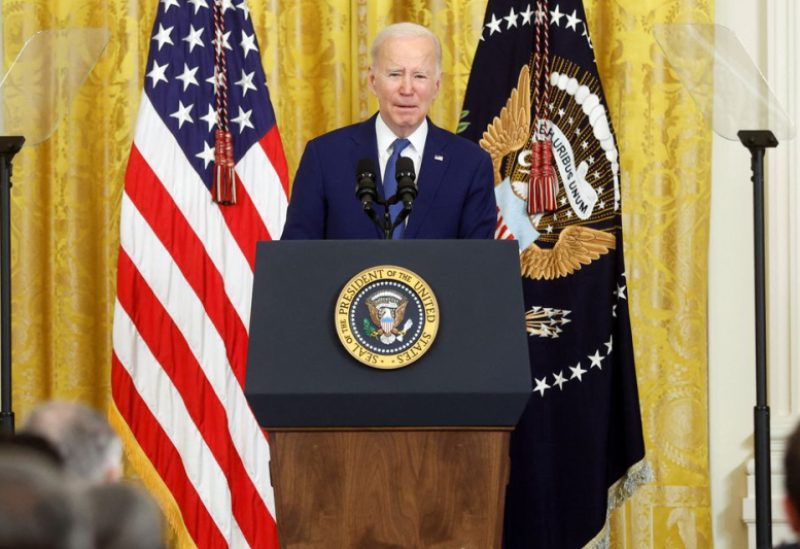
{"x":792,"y":513}
{"x":371,"y":80}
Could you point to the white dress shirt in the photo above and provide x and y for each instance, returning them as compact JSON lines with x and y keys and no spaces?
{"x":386,"y":138}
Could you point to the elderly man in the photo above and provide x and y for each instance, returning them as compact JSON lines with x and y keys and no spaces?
{"x":455,"y":180}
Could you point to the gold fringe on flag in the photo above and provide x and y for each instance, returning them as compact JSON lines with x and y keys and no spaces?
{"x":152,"y":481}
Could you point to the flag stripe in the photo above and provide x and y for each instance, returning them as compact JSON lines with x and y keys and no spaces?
{"x":186,"y":309}
{"x":171,"y":350}
{"x":158,"y":147}
{"x":166,"y":221}
{"x":245,"y":224}
{"x":259,"y":165}
{"x":272,"y":145}
{"x":246,"y":176}
{"x":501,"y":231}
{"x":162,"y":453}
{"x":166,"y":404}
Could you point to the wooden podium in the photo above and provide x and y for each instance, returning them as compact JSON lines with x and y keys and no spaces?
{"x":373,"y":489}
{"x":410,"y":458}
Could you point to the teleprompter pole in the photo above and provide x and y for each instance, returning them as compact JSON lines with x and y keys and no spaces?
{"x":9,"y":146}
{"x":757,"y":141}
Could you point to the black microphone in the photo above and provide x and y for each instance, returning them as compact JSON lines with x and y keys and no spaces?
{"x":366,"y":188}
{"x":406,"y":189}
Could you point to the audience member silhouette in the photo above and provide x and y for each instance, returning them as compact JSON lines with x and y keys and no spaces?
{"x":91,"y":450}
{"x":39,"y":507}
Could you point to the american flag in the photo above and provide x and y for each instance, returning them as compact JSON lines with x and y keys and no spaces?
{"x":185,"y":275}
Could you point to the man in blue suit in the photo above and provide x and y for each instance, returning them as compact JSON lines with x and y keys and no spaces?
{"x":455,"y":178}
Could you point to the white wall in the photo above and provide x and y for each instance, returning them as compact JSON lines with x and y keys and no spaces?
{"x":731,"y":374}
{"x":765,"y":31}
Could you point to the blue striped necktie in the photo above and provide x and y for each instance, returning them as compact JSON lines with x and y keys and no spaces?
{"x":390,"y":184}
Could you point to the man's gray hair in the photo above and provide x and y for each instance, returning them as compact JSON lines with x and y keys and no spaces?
{"x":406,"y":30}
{"x":91,"y":449}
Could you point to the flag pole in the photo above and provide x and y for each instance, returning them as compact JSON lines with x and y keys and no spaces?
{"x":9,"y":146}
{"x":757,"y":141}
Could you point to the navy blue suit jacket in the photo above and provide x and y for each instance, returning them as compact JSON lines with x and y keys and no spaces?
{"x":455,"y":185}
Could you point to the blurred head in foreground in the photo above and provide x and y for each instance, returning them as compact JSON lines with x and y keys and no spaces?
{"x":91,"y":450}
{"x":39,"y":508}
{"x":124,"y":517}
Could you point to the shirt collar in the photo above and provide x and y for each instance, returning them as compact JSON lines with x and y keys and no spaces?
{"x":386,"y":136}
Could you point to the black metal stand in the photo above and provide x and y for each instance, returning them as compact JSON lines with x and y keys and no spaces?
{"x":387,"y":222}
{"x":387,"y":227}
{"x":9,"y":146}
{"x":757,"y":141}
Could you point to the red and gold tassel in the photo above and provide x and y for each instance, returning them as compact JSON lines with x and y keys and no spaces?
{"x":224,"y":186}
{"x":543,"y":183}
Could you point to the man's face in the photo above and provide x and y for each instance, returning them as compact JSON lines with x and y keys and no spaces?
{"x":405,"y":81}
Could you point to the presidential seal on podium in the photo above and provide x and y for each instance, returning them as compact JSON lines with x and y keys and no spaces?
{"x":387,"y":317}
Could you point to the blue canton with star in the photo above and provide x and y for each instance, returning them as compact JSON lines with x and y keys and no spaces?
{"x":500,"y":20}
{"x":180,"y":78}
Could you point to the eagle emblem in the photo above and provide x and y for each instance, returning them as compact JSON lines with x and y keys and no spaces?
{"x":557,"y":244}
{"x":387,"y":309}
{"x":386,"y":317}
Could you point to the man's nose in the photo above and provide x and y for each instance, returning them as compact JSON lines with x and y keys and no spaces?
{"x":406,"y":85}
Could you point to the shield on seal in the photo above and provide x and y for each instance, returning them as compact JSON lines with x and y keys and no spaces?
{"x":386,"y":309}
{"x":387,"y":321}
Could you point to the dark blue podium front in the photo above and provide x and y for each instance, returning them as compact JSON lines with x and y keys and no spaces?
{"x":476,"y":373}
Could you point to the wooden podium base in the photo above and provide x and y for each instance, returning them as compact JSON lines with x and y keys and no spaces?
{"x":371,"y":489}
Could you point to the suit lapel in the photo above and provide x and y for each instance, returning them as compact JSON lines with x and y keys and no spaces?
{"x":431,"y":174}
{"x":366,"y":146}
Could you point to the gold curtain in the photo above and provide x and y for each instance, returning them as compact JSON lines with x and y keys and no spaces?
{"x":665,"y":150}
{"x":66,"y":196}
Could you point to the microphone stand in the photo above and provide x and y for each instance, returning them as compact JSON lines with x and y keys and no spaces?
{"x":386,"y":227}
{"x":367,"y":194}
{"x":9,"y":146}
{"x":757,"y":141}
{"x":368,"y":209}
{"x":383,"y":225}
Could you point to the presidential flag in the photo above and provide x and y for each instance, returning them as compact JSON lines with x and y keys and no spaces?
{"x":185,"y":270}
{"x":535,"y":103}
